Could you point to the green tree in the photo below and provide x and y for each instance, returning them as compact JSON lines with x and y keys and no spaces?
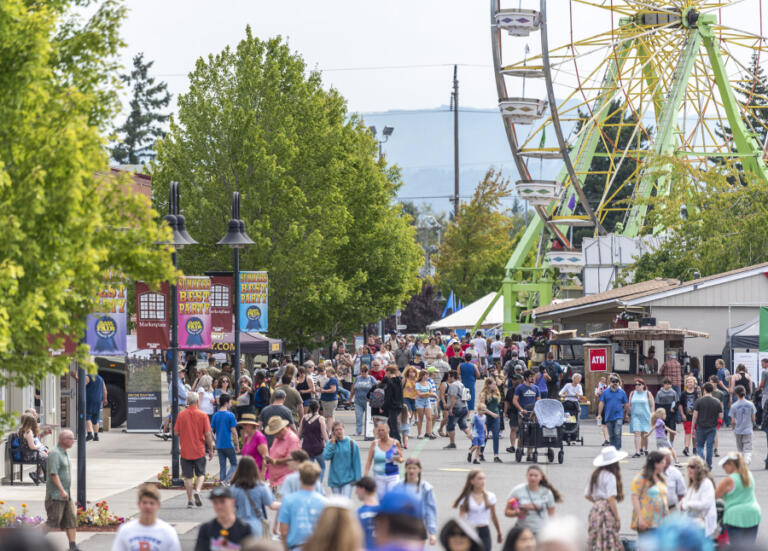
{"x":316,"y":198}
{"x":144,"y":124}
{"x":478,"y":243}
{"x":722,"y":227}
{"x":64,"y":224}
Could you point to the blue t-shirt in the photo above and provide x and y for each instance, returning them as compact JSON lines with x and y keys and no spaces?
{"x":467,"y":373}
{"x":478,"y":425}
{"x":330,"y":396}
{"x":300,"y":512}
{"x":527,"y":395}
{"x":614,"y":403}
{"x":222,"y":424}
{"x":94,"y":392}
{"x":366,"y":514}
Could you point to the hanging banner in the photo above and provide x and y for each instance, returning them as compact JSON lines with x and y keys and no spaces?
{"x":254,"y":301}
{"x":144,"y":395}
{"x":221,"y":304}
{"x":152,"y":317}
{"x":107,"y":327}
{"x":194,"y":299}
{"x":763,"y":335}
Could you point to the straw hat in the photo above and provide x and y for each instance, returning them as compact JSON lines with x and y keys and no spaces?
{"x":275,"y":425}
{"x":609,"y":455}
{"x":248,"y":419}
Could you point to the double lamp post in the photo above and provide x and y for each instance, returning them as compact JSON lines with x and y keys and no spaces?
{"x":235,"y":238}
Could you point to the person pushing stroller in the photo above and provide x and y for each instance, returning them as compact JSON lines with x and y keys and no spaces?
{"x":526,"y":396}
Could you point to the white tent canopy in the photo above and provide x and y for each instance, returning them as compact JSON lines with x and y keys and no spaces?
{"x":467,"y":317}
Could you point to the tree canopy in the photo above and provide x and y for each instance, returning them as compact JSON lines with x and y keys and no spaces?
{"x":712,"y":226}
{"x":315,"y":196}
{"x":478,"y":243}
{"x":144,"y":123}
{"x":64,"y":225}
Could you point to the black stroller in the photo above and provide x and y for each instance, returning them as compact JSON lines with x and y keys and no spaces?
{"x":571,"y":425}
{"x":542,"y":429}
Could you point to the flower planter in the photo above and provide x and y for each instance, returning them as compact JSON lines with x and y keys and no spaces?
{"x":90,"y":528}
{"x":522,"y":110}
{"x":518,"y":22}
{"x":538,"y":192}
{"x":206,"y":486}
{"x":567,"y":261}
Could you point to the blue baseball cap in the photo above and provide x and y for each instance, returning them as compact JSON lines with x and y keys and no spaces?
{"x":399,"y":502}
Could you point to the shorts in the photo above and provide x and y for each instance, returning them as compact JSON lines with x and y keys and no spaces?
{"x":687,"y":426}
{"x":744,"y":443}
{"x":93,"y":415}
{"x":61,"y":514}
{"x":478,"y":441}
{"x":329,"y":407}
{"x":514,"y":418}
{"x":191,"y":468}
{"x":422,"y":403}
{"x":662,"y":442}
{"x":671,"y":420}
{"x":410,"y":404}
{"x":457,"y":417}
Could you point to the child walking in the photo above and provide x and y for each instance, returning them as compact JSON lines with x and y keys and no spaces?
{"x":661,"y":430}
{"x":478,"y":434}
{"x":405,"y":426}
{"x":743,"y":417}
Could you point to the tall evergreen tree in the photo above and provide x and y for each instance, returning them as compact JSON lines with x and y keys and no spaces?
{"x":144,"y":124}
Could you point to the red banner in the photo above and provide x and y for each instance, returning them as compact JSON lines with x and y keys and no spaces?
{"x":221,"y":304}
{"x":152,"y":317}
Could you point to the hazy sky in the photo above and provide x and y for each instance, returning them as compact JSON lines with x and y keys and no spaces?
{"x":333,"y":35}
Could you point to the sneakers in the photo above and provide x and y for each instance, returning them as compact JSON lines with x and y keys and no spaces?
{"x":198,"y":501}
{"x":450,"y":447}
{"x":717,"y":454}
{"x":190,"y":505}
{"x":497,"y":459}
{"x":511,"y":449}
{"x":482,"y":457}
{"x":89,"y":437}
{"x":605,"y":443}
{"x":95,"y":436}
{"x":637,"y":454}
{"x":469,"y":457}
{"x":685,"y":452}
{"x":529,"y":458}
{"x":475,"y":462}
{"x":35,"y":478}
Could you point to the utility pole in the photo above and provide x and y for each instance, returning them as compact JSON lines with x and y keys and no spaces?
{"x":455,"y":108}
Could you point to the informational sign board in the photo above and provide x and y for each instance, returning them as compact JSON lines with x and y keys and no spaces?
{"x":598,"y":359}
{"x":144,"y":395}
{"x":359,"y":342}
{"x":254,"y":301}
{"x":194,"y":299}
{"x":152,"y":317}
{"x":106,"y":330}
{"x":750,"y":361}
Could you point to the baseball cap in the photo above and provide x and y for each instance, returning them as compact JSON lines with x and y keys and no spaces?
{"x":398,"y":502}
{"x":220,"y":492}
{"x":432,"y":369}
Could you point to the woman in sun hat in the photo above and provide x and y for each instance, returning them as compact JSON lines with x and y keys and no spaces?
{"x":285,"y":441}
{"x":742,"y":513}
{"x":605,"y":491}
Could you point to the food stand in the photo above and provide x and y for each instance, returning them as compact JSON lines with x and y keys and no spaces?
{"x":628,"y":359}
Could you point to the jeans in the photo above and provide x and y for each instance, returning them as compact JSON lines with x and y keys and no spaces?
{"x":345,"y":490}
{"x":492,"y":426}
{"x":726,"y":408}
{"x":224,"y":455}
{"x":344,"y":393}
{"x":705,"y":437}
{"x":614,"y":432}
{"x":393,"y":420}
{"x":359,"y":417}
{"x":320,"y":460}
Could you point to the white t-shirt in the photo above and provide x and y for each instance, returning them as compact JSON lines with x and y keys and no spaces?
{"x":479,"y":514}
{"x":572,"y":392}
{"x":206,"y":406}
{"x":605,"y":487}
{"x":479,"y":344}
{"x":496,"y":347}
{"x":134,"y":536}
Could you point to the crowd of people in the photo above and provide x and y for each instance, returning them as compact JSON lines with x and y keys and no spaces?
{"x":289,"y":471}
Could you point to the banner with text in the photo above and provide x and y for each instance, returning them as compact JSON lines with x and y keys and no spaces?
{"x":221,"y":304}
{"x":254,"y":301}
{"x":143,"y":394}
{"x":194,"y":299}
{"x":106,"y":332}
{"x":152,"y":317}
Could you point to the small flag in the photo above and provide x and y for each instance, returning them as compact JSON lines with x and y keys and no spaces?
{"x":527,"y":48}
{"x":543,"y":140}
{"x":572,"y":202}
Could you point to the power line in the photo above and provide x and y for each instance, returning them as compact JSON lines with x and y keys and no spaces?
{"x":374,"y":68}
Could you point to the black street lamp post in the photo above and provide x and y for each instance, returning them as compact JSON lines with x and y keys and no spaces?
{"x":179,"y":239}
{"x":236,"y":238}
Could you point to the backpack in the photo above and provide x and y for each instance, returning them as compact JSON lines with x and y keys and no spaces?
{"x":378,"y":397}
{"x":258,"y":396}
{"x":552,"y":371}
{"x":15,"y":447}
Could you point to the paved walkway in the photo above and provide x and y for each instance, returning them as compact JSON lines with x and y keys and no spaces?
{"x":121,"y":461}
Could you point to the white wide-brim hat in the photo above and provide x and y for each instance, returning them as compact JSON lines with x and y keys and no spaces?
{"x":609,"y":455}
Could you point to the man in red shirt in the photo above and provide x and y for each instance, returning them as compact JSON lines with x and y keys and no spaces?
{"x":194,"y":430}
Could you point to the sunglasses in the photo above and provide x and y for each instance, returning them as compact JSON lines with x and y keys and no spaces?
{"x":691,"y":466}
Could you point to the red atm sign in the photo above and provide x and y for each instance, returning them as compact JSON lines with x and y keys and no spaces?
{"x":598,"y":359}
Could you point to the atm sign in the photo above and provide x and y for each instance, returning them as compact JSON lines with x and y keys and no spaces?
{"x":598,"y":359}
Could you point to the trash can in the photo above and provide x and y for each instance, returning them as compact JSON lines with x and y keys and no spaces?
{"x":106,"y":419}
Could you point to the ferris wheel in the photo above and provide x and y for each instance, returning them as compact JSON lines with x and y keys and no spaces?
{"x":591,"y":91}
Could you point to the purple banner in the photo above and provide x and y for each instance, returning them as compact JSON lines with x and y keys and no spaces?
{"x":107,"y":326}
{"x":194,"y":312}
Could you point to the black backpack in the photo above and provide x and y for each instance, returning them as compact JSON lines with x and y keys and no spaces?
{"x":378,"y":398}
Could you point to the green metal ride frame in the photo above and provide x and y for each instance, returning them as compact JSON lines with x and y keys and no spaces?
{"x":667,"y":109}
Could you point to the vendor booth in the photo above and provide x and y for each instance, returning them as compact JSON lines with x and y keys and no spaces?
{"x":255,"y":344}
{"x":629,"y":358}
